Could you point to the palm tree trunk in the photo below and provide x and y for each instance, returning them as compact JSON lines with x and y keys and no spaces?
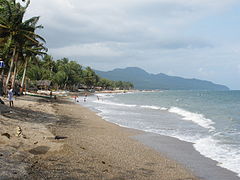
{"x":24,"y":72}
{"x":26,"y":84}
{"x":11,"y":67}
{"x":2,"y":84}
{"x":14,"y":74}
{"x":65,"y":85}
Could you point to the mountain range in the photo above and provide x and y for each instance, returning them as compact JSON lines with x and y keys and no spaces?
{"x":144,"y":80}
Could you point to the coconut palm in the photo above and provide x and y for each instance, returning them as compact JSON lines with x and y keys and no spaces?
{"x":16,"y":31}
{"x":30,"y":52}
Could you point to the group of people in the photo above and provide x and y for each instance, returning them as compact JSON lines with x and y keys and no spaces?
{"x":84,"y":98}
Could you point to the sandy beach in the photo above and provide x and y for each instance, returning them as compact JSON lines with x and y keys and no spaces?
{"x":44,"y":139}
{"x":119,"y":90}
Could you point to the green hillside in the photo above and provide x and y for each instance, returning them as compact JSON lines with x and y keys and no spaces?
{"x":144,"y":80}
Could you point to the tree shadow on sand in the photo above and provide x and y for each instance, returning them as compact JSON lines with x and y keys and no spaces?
{"x":34,"y":116}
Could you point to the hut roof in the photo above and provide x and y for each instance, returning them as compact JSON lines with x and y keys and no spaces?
{"x":44,"y":83}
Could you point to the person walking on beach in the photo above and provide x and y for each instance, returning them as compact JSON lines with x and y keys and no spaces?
{"x":10,"y":97}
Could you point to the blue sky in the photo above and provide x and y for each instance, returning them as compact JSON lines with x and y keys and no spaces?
{"x":187,"y":38}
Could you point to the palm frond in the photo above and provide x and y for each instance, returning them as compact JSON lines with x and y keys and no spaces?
{"x":31,"y":39}
{"x":3,"y":26}
{"x":32,"y":21}
{"x":32,"y":34}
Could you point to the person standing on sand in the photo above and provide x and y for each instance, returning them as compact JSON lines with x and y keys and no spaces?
{"x":10,"y":97}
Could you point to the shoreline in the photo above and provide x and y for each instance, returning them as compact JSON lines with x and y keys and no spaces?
{"x":184,"y":153}
{"x":200,"y":165}
{"x":66,"y":140}
{"x":62,"y":140}
{"x":126,"y":157}
{"x":210,"y":161}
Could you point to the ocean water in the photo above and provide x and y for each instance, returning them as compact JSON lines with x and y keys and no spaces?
{"x":208,"y":119}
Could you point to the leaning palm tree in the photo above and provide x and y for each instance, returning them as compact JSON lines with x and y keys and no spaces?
{"x":16,"y":31}
{"x":29,"y":44}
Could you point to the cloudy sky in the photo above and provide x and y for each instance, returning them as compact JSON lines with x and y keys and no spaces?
{"x":188,"y":38}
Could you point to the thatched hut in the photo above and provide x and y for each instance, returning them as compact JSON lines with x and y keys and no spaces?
{"x":44,"y":84}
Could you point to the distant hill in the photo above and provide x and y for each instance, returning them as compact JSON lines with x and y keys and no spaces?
{"x":144,"y":80}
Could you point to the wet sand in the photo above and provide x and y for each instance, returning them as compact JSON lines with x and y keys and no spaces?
{"x":61,"y":140}
{"x":184,"y":153}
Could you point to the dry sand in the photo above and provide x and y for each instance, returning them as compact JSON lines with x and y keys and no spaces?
{"x":61,"y":140}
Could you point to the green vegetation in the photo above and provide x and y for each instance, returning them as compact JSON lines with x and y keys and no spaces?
{"x":144,"y":80}
{"x":25,"y":57}
{"x":66,"y":74}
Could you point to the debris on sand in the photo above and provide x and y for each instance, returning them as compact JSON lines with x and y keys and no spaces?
{"x":19,"y":131}
{"x":7,"y":135}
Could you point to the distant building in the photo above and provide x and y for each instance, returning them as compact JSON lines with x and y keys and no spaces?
{"x":44,"y":84}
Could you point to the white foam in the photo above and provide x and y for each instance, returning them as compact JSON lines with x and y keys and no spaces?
{"x":194,"y":117}
{"x":151,"y":107}
{"x":105,"y":95}
{"x":114,"y":104}
{"x":227,"y":156}
{"x":154,"y":107}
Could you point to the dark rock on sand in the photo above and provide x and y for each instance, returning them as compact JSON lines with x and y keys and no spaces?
{"x":60,"y":137}
{"x":7,"y":135}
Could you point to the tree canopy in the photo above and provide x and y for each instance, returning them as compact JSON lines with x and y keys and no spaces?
{"x":66,"y":74}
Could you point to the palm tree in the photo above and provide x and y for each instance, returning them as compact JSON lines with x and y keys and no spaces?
{"x":29,"y":54}
{"x":16,"y":31}
{"x":90,"y":77}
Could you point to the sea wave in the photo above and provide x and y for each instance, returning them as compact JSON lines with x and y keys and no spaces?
{"x":105,"y":95}
{"x":194,"y":117}
{"x":153,"y":107}
{"x":227,"y":156}
{"x":114,"y":104}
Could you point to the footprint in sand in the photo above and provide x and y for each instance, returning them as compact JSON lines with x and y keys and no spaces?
{"x":39,"y":150}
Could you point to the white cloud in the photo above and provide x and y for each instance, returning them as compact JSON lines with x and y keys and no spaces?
{"x":124,"y":18}
{"x":148,"y":33}
{"x":94,"y":49}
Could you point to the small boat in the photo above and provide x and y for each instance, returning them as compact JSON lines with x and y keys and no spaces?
{"x":38,"y":95}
